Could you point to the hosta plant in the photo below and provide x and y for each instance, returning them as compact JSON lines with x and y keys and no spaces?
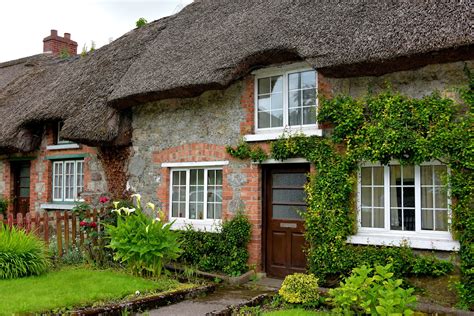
{"x":374,"y":292}
{"x":143,"y":243}
{"x":21,"y":254}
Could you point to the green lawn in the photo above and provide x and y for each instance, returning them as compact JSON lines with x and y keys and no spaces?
{"x":73,"y":287}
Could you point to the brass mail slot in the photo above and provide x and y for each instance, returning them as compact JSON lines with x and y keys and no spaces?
{"x":288,"y":225}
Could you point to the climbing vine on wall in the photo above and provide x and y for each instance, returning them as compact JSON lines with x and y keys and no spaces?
{"x":379,"y":128}
{"x":114,"y":161}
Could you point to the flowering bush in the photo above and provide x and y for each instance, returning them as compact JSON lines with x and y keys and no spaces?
{"x":300,"y":288}
{"x":142,"y":242}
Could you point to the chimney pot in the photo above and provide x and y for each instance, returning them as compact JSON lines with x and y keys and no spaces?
{"x":54,"y":33}
{"x":56,"y":44}
{"x":67,"y":35}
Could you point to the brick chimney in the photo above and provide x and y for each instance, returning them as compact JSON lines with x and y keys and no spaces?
{"x":56,"y":44}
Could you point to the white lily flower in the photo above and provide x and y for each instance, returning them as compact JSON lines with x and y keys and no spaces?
{"x":117,"y":211}
{"x":127,"y":210}
{"x":151,"y":206}
{"x":116,"y":204}
{"x":138,"y":197}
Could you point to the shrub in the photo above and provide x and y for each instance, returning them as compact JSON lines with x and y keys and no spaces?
{"x":430,"y":265}
{"x":300,"y":288}
{"x":3,"y":205}
{"x":224,"y":251}
{"x":21,"y":254}
{"x":143,"y":243}
{"x":372,"y":292}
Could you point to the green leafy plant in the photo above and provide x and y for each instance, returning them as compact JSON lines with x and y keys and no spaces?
{"x":300,"y":288}
{"x":72,"y":255}
{"x":141,"y":242}
{"x":373,"y":292}
{"x":430,"y":265}
{"x":223,"y":251}
{"x":3,"y":205}
{"x":380,"y":128}
{"x":21,"y":254}
{"x":141,"y":22}
{"x":244,"y":151}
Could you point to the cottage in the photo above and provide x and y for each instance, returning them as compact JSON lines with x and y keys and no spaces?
{"x":154,"y":111}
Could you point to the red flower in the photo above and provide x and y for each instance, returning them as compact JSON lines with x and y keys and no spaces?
{"x":93,"y":224}
{"x":82,"y":224}
{"x":103,"y":199}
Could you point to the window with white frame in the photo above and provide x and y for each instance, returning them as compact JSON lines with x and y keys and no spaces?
{"x":403,"y":198}
{"x":59,"y":139}
{"x":196,"y":193}
{"x":68,"y":180}
{"x":286,"y":99}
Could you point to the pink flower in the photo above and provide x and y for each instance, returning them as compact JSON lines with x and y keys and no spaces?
{"x":103,"y":199}
{"x":82,"y":224}
{"x":93,"y":224}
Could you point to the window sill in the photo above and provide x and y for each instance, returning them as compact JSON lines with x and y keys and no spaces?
{"x":57,"y":206}
{"x":199,"y":225}
{"x":63,"y":146}
{"x":433,"y":242}
{"x":257,"y":137}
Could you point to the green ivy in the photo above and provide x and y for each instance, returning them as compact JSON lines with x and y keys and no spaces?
{"x":223,"y":251}
{"x":379,"y":128}
{"x":244,"y":151}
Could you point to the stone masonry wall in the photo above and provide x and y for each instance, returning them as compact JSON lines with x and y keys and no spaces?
{"x":193,"y":130}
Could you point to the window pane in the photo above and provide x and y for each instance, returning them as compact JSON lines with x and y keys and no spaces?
{"x":366,"y":217}
{"x":379,"y":198}
{"x":277,"y":119}
{"x":395,"y":175}
{"x":309,"y":97}
{"x":378,"y":175}
{"x":379,"y":218}
{"x":441,"y":220}
{"x":309,"y":115}
{"x":427,"y":219}
{"x":287,"y":211}
{"x":295,"y":117}
{"x":277,"y":101}
{"x":263,"y":85}
{"x":286,"y":195}
{"x":263,"y":120}
{"x":366,"y":175}
{"x":294,"y":81}
{"x":210,"y":210}
{"x":289,"y":179}
{"x":409,"y":219}
{"x":396,"y":216}
{"x":294,"y":99}
{"x":441,"y":198}
{"x":264,"y":103}
{"x":219,"y":177}
{"x":408,"y":175}
{"x":277,"y":84}
{"x":426,"y":175}
{"x":409,"y":197}
{"x":366,"y":197}
{"x":308,"y":79}
{"x":426,"y":197}
{"x":218,"y":211}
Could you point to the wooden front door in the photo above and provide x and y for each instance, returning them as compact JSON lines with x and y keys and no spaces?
{"x":284,"y":198}
{"x":21,"y":187}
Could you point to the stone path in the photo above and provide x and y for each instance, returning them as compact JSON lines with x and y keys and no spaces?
{"x":219,"y":300}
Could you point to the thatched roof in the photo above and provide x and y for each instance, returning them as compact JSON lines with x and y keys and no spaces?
{"x":210,"y":44}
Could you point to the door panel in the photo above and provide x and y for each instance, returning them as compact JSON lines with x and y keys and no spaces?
{"x":284,"y":200}
{"x":21,"y":187}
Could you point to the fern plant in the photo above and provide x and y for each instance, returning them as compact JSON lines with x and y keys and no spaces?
{"x":21,"y":254}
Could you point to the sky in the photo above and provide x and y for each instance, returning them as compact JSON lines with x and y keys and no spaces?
{"x":24,"y":23}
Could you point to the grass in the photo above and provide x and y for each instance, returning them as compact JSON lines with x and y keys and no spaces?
{"x":294,"y":312}
{"x":73,"y":287}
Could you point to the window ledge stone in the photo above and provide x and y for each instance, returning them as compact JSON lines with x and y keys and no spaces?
{"x":63,"y":146}
{"x":198,"y":225}
{"x":435,"y":242}
{"x":257,"y":137}
{"x":57,"y":206}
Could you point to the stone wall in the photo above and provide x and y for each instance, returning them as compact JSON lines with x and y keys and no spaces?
{"x":415,"y":83}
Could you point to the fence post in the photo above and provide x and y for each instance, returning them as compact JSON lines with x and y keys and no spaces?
{"x":58,"y":233}
{"x":1,"y":219}
{"x":28,"y":222}
{"x":73,"y":228}
{"x":10,"y":220}
{"x":19,"y":220}
{"x":66,"y":231}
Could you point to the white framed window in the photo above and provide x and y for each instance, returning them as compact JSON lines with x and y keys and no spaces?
{"x":68,"y":180}
{"x":285,"y":100}
{"x":196,"y":195}
{"x":399,"y":204}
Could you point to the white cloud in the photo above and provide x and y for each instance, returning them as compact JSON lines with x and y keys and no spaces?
{"x":24,"y":23}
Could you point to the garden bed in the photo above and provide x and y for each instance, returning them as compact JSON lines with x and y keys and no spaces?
{"x":74,"y":287}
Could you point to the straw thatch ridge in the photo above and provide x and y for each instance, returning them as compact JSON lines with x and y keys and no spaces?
{"x":212,"y":43}
{"x":42,"y":89}
{"x":209,"y":45}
